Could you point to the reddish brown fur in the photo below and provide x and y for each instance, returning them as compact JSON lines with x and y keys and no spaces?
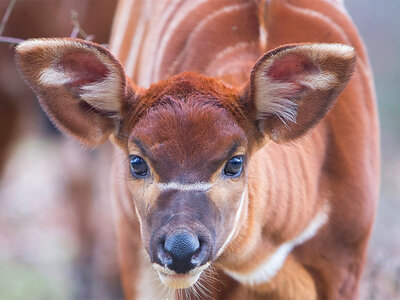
{"x":333,"y":168}
{"x":183,"y":86}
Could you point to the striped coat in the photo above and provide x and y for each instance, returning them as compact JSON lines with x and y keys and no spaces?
{"x":156,"y":39}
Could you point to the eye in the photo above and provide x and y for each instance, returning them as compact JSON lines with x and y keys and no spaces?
{"x":234,"y":166}
{"x":139,"y":168}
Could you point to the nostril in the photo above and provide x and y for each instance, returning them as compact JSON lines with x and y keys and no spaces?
{"x":163,"y":256}
{"x":200,"y":256}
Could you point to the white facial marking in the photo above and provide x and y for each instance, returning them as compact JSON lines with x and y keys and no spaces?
{"x":179,"y":281}
{"x":170,"y":272}
{"x":139,"y":218}
{"x":264,"y":272}
{"x":237,"y":217}
{"x":197,"y":186}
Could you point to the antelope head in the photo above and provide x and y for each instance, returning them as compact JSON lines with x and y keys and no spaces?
{"x":188,"y":139}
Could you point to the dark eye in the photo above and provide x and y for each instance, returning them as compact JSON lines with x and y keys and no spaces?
{"x":234,"y":166}
{"x":139,"y":167}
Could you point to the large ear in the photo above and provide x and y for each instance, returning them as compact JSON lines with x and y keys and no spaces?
{"x":294,"y":86}
{"x":80,"y":85}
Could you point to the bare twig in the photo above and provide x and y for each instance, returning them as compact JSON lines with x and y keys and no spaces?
{"x":78,"y":29}
{"x":7,"y":14}
{"x":10,"y":40}
{"x":74,"y":32}
{"x":6,"y":39}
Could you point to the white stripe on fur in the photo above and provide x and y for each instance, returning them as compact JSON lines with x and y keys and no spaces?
{"x":197,"y":186}
{"x":221,"y":55}
{"x":180,"y":15}
{"x":119,"y":34}
{"x":263,"y":37}
{"x":149,"y":50}
{"x":135,"y":46}
{"x":270,"y":267}
{"x":200,"y":26}
{"x":235,"y":225}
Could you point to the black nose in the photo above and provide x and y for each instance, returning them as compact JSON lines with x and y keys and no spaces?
{"x":181,"y":252}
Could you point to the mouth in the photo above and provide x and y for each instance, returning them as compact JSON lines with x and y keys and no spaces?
{"x":179,"y":281}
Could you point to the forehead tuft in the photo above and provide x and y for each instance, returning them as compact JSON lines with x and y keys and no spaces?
{"x":187,"y":87}
{"x":188,"y":135}
{"x":185,"y":84}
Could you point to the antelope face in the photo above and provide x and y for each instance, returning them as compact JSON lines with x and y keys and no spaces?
{"x":187,"y":161}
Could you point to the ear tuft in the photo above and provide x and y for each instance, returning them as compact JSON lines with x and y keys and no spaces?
{"x":294,"y":86}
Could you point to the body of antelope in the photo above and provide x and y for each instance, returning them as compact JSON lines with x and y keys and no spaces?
{"x":234,"y":176}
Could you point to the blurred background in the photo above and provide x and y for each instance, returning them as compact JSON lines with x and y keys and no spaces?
{"x":379,"y":24}
{"x":56,"y":233}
